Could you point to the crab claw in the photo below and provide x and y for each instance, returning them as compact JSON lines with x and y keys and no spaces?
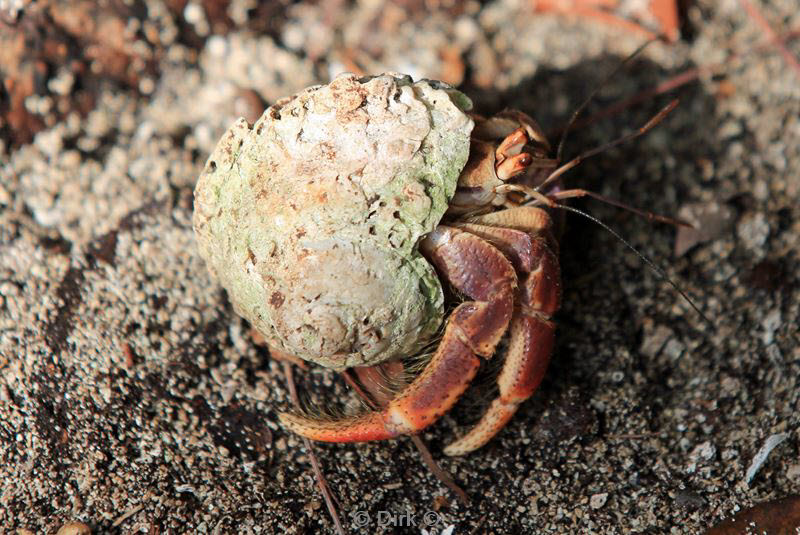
{"x":512,"y":144}
{"x":513,"y":166}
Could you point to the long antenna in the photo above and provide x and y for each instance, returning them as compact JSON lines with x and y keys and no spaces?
{"x":657,"y":118}
{"x":550,"y":202}
{"x":661,"y":273}
{"x":650,"y":216}
{"x":593,"y":93}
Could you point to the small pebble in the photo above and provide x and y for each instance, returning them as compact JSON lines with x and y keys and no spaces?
{"x":704,"y":451}
{"x":753,"y":231}
{"x":793,"y":472}
{"x":690,"y":501}
{"x":598,"y":500}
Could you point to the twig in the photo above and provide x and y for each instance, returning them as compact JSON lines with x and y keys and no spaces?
{"x":670,"y":84}
{"x":433,"y":466}
{"x":477,"y":528}
{"x":321,"y":482}
{"x":634,"y":436}
{"x":438,"y":471}
{"x":127,"y":515}
{"x":363,"y":394}
{"x":774,"y":38}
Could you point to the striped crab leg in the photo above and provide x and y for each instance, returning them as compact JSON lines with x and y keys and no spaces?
{"x":530,"y":247}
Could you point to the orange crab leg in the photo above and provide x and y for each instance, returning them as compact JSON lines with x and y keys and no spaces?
{"x":363,"y":428}
{"x":474,"y":328}
{"x":529,"y":219}
{"x":532,"y":332}
{"x":531,"y":344}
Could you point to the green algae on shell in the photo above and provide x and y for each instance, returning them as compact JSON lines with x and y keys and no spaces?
{"x":312,"y":218}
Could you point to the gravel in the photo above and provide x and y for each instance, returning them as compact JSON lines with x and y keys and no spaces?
{"x":133,"y":399}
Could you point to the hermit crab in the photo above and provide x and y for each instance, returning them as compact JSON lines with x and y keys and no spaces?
{"x":340,"y":220}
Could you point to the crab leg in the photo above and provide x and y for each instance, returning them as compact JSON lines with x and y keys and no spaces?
{"x":476,"y":269}
{"x":532,"y":332}
{"x":528,"y":219}
{"x":529,"y":354}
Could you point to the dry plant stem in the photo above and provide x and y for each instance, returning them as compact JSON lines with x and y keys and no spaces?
{"x":438,"y":471}
{"x":588,"y":99}
{"x":670,"y":84}
{"x":127,"y":515}
{"x":773,"y":37}
{"x":635,"y":436}
{"x":321,"y":482}
{"x":433,"y":466}
{"x":351,"y":61}
{"x":595,"y":10}
{"x":480,"y":524}
{"x":355,"y":385}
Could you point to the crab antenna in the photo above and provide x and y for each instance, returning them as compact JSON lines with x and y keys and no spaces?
{"x":594,"y":92}
{"x":539,"y":197}
{"x":551,"y":199}
{"x":650,"y":216}
{"x":657,"y":118}
{"x":660,"y":272}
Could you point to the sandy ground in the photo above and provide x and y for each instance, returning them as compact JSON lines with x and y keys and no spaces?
{"x":133,"y":399}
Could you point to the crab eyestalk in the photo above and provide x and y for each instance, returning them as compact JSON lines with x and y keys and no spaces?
{"x":493,"y":163}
